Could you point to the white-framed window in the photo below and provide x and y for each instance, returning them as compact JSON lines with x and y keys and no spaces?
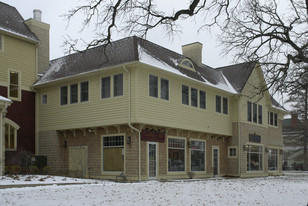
{"x":10,"y":135}
{"x":153,"y":86}
{"x":194,"y":97}
{"x":202,"y":99}
{"x":187,"y":64}
{"x":118,"y":85}
{"x":222,"y":104}
{"x":185,"y":95}
{"x":176,"y":155}
{"x":164,"y":89}
{"x":105,"y":87}
{"x":254,"y":113}
{"x":255,"y":158}
{"x":273,"y":119}
{"x":84,"y":91}
{"x":197,"y":156}
{"x":44,"y":99}
{"x":273,"y":159}
{"x":225,"y":105}
{"x":232,"y":152}
{"x":63,"y":95}
{"x":113,"y":153}
{"x":1,"y":43}
{"x":14,"y":85}
{"x":74,"y":93}
{"x":218,"y":103}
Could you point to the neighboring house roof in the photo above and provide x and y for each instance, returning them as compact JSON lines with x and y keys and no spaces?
{"x":11,"y":21}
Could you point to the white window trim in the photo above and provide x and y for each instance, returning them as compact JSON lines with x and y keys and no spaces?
{"x":236,"y":154}
{"x":102,"y":153}
{"x":263,"y":157}
{"x":16,"y":127}
{"x":19,"y":85}
{"x":42,"y":99}
{"x":205,"y":166}
{"x":186,"y":67}
{"x":177,"y":172}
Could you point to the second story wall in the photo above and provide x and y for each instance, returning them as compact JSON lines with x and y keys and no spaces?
{"x":18,"y":56}
{"x":173,"y":112}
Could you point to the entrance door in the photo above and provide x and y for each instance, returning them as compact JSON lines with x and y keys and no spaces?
{"x":152,"y":160}
{"x":215,"y":161}
{"x":78,"y":161}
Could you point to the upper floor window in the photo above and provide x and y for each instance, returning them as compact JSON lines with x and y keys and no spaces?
{"x":14,"y":87}
{"x":105,"y":87}
{"x":202,"y":99}
{"x":84,"y":91}
{"x":194,"y":97}
{"x":164,"y":85}
{"x":273,"y":119}
{"x":63,"y":95}
{"x":153,"y":86}
{"x":185,"y":94}
{"x":44,"y":99}
{"x":118,"y":85}
{"x":1,"y":42}
{"x":254,"y":113}
{"x":74,"y":93}
{"x":225,"y":105}
{"x":187,"y":64}
{"x":218,"y":103}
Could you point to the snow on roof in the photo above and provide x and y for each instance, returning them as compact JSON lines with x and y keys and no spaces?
{"x":3,"y":99}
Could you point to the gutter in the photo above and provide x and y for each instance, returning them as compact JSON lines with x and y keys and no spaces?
{"x":131,"y":126}
{"x":37,"y":104}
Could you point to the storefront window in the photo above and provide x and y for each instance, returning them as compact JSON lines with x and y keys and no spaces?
{"x":197,"y":155}
{"x":254,"y":158}
{"x":272,"y":160}
{"x":113,"y":153}
{"x":176,"y":155}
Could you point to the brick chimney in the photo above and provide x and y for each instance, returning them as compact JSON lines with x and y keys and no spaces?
{"x":41,"y":30}
{"x":193,"y":51}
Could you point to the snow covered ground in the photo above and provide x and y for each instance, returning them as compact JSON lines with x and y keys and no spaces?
{"x":289,"y":190}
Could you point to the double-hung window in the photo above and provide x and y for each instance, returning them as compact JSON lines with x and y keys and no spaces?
{"x":118,"y":85}
{"x":73,"y":93}
{"x":185,"y":94}
{"x":254,"y":113}
{"x":14,"y":87}
{"x":63,"y":95}
{"x":153,"y":86}
{"x":249,"y":113}
{"x":202,"y":99}
{"x":255,"y":106}
{"x":10,"y":137}
{"x":105,"y":87}
{"x":225,"y":105}
{"x":194,"y":97}
{"x":260,"y":119}
{"x":164,"y":89}
{"x":84,"y":91}
{"x":218,"y":104}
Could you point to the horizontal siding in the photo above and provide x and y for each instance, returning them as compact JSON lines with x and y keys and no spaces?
{"x":173,"y":113}
{"x":20,"y":56}
{"x":95,"y":112}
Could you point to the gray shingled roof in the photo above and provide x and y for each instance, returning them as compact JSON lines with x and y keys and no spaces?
{"x":11,"y":21}
{"x":125,"y":51}
{"x":238,"y":74}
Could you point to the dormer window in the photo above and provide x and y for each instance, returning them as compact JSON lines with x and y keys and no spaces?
{"x":187,"y":64}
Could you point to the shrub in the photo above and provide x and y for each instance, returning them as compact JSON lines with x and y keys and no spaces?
{"x":33,"y":169}
{"x":15,"y":169}
{"x":46,"y":170}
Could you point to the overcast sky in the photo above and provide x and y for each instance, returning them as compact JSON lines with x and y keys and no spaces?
{"x":53,"y":11}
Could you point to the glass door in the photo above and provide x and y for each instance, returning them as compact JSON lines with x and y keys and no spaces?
{"x":215,"y":161}
{"x":152,"y":160}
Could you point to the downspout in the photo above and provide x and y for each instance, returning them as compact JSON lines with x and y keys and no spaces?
{"x":1,"y":142}
{"x":37,"y":104}
{"x":131,"y":126}
{"x":239,"y":134}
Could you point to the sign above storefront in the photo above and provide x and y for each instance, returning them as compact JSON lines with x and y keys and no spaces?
{"x":153,"y":135}
{"x":254,"y":138}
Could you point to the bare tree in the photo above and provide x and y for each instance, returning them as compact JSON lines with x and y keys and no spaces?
{"x":274,"y":35}
{"x":138,"y":17}
{"x":298,"y":95}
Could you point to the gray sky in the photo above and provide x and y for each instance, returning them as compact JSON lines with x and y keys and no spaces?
{"x":53,"y":10}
